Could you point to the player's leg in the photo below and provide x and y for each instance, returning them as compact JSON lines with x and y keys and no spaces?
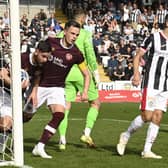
{"x":5,"y":119}
{"x":153,"y":129}
{"x":94,"y":105}
{"x":70,"y":92}
{"x":49,"y":131}
{"x":5,"y":130}
{"x":63,"y":128}
{"x":138,"y":122}
{"x":56,"y":102}
{"x":125,"y":136}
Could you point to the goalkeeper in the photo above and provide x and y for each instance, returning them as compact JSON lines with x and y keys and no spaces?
{"x":75,"y":81}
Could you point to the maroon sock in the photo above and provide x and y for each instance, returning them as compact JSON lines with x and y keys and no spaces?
{"x":51,"y":127}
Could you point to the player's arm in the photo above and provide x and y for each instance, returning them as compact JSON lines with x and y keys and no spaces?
{"x":85,"y":72}
{"x":136,"y":63}
{"x":91,"y":57}
{"x":146,"y":45}
{"x":36,"y":82}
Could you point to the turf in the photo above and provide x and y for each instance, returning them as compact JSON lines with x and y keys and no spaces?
{"x":113,"y":119}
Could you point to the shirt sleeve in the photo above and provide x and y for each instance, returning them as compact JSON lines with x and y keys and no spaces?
{"x":147,"y":43}
{"x":89,"y":52}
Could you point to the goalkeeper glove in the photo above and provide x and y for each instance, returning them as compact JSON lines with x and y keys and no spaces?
{"x":96,"y":77}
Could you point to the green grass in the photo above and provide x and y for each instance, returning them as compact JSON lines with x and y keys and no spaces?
{"x":112,"y":120}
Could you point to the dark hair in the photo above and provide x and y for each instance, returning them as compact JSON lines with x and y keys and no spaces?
{"x":44,"y":46}
{"x":72,"y":23}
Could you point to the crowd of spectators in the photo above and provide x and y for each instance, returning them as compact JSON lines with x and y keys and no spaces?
{"x":117,"y":30}
{"x":31,"y":30}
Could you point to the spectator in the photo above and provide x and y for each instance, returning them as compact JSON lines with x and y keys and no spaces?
{"x":34,"y":21}
{"x":125,"y":16}
{"x":160,"y":16}
{"x":150,"y":18}
{"x":128,"y":72}
{"x":119,"y":73}
{"x":107,"y":42}
{"x":58,"y":28}
{"x":24,"y":22}
{"x":98,"y":27}
{"x":129,"y":32}
{"x":42,"y":15}
{"x":2,"y":24}
{"x":111,"y":48}
{"x":52,"y":20}
{"x":135,"y":16}
{"x":155,"y":28}
{"x":97,"y":42}
{"x":70,"y":9}
{"x":6,"y":18}
{"x":122,"y":61}
{"x":90,"y":26}
{"x":112,"y":65}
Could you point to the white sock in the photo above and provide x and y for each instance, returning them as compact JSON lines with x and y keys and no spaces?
{"x":135,"y":124}
{"x":41,"y":145}
{"x":62,"y":139}
{"x":87,"y":131}
{"x":152,"y":133}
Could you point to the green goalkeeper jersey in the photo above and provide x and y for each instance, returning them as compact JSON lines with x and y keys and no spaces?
{"x":85,"y":45}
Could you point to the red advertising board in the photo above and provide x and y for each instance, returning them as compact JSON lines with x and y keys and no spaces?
{"x":120,"y":95}
{"x":117,"y":96}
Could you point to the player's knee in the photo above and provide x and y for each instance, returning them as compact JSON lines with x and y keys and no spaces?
{"x":95,"y":103}
{"x":146,"y":116}
{"x":157,"y":117}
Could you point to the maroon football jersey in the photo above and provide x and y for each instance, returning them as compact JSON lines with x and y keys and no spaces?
{"x":60,"y":63}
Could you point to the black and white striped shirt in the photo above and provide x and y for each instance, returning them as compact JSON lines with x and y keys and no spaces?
{"x":161,"y":15}
{"x":134,"y":16}
{"x":156,"y":68}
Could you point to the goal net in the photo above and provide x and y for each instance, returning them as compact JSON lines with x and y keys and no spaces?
{"x":11,"y":126}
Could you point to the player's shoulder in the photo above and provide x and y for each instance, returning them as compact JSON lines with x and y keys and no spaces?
{"x":60,"y":34}
{"x":85,"y":32}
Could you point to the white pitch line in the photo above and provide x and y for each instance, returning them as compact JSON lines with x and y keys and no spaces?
{"x":104,"y":119}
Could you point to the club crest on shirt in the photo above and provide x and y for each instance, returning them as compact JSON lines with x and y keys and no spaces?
{"x":68,"y":56}
{"x":150,"y":103}
{"x":52,"y":49}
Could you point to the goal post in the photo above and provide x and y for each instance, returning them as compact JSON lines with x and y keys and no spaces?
{"x":17,"y":158}
{"x":16,"y":83}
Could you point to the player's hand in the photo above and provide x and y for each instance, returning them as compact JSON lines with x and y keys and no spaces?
{"x":96,"y":77}
{"x":33,"y":97}
{"x":84,"y":97}
{"x":136,"y":80}
{"x":25,"y":84}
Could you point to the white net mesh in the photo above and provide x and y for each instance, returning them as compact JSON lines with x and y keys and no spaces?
{"x":6,"y":122}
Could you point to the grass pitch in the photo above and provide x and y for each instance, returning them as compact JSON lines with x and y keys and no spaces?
{"x":113,"y":119}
